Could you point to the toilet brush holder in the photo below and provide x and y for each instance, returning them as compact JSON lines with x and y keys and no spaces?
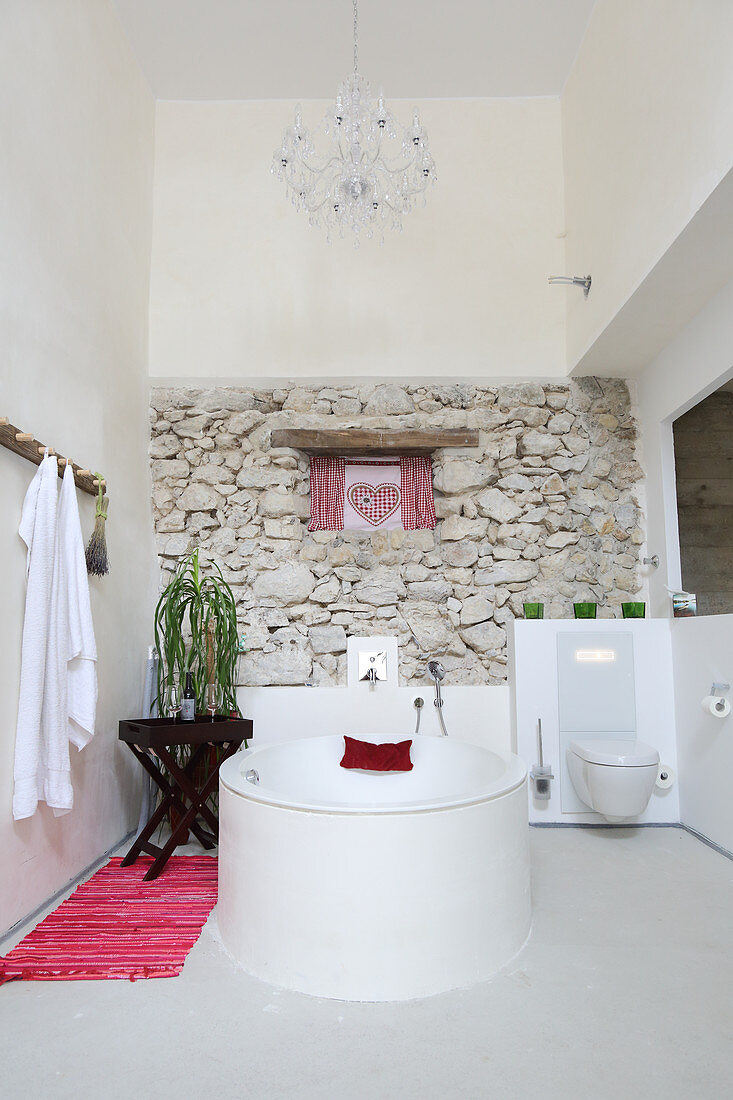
{"x":541,"y":776}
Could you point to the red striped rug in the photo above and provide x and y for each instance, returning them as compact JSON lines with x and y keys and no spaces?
{"x":117,"y":926}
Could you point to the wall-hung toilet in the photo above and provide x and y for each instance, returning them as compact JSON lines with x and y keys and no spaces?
{"x":614,"y":778}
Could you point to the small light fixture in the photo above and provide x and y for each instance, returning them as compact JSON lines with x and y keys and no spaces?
{"x":573,"y":280}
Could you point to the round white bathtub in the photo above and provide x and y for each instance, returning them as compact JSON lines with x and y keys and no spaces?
{"x":373,"y":886}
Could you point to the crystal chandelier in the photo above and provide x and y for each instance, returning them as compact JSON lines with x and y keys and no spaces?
{"x":370,"y":171}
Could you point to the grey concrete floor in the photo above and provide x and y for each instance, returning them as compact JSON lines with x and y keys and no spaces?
{"x":624,"y":990}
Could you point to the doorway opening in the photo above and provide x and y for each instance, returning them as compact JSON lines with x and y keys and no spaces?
{"x":703,"y":453}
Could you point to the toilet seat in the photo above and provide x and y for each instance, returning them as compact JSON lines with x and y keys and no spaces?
{"x":617,"y":754}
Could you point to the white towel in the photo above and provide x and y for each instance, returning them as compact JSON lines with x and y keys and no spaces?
{"x":81,"y":652}
{"x":70,"y":689}
{"x":38,"y":531}
{"x":65,"y":694}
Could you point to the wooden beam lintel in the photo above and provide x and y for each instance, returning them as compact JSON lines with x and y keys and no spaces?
{"x":359,"y":441}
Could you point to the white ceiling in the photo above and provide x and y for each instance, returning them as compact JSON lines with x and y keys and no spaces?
{"x":302,"y":49}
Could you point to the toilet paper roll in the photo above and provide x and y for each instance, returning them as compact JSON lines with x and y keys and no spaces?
{"x":716,"y":705}
{"x":665,"y":777}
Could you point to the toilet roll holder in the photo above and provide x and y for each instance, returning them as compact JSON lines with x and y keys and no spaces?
{"x":717,"y":702}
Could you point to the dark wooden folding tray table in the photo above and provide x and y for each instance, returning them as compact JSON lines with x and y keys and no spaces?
{"x":185,"y":788}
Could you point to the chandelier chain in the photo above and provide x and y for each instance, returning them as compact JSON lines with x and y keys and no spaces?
{"x":356,"y":37}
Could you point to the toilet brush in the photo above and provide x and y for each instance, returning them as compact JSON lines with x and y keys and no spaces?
{"x":96,"y":551}
{"x":541,"y":773}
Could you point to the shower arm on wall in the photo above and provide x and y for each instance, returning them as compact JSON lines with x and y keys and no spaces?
{"x":573,"y":280}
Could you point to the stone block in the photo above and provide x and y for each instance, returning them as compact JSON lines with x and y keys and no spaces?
{"x":436,"y":591}
{"x":347,"y":406}
{"x":429,"y":629}
{"x":199,"y":498}
{"x":299,"y":400}
{"x":389,"y":400}
{"x":520,"y":393}
{"x":484,"y":637}
{"x":456,"y":528}
{"x":538,"y":444}
{"x":173,"y":521}
{"x":290,"y":583}
{"x":278,"y":503}
{"x":460,"y":554}
{"x":169,"y":469}
{"x":242,"y":423}
{"x":262,"y":477}
{"x":288,"y":528}
{"x":165,"y":446}
{"x":327,"y":639}
{"x":461,"y":475}
{"x":509,"y":572}
{"x":561,"y":539}
{"x":289,"y":664}
{"x":224,"y":399}
{"x":496,"y":505}
{"x":476,"y":609}
{"x":327,"y":592}
{"x":561,"y":423}
{"x":192,"y":426}
{"x":213,"y":475}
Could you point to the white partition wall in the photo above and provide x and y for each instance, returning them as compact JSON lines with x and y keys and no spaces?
{"x":703,"y":653}
{"x":533,"y":648}
{"x":478,"y":715}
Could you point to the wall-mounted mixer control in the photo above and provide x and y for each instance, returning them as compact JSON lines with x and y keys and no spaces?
{"x":373,"y":666}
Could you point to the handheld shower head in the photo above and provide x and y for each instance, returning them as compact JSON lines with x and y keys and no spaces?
{"x":436,"y":671}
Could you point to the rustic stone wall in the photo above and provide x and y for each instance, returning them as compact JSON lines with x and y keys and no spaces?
{"x":543,"y":509}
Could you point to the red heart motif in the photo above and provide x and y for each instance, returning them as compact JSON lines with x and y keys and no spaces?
{"x":375,"y":504}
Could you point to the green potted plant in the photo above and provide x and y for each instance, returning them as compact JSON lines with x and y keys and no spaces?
{"x":196,"y":632}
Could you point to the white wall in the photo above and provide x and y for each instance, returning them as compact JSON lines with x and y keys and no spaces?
{"x":76,"y":130}
{"x":703,"y":655}
{"x":478,"y":715}
{"x":695,"y":364}
{"x":242,"y":286}
{"x":647,"y":114}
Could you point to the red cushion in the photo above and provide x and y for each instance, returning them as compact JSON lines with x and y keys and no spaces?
{"x":377,"y":758}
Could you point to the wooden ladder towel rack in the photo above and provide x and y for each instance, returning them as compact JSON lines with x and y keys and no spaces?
{"x":26,"y":446}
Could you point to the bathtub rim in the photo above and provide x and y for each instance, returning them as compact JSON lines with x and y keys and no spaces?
{"x":514,"y":776}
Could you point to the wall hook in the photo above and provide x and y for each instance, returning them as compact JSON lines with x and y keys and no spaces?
{"x":27,"y":446}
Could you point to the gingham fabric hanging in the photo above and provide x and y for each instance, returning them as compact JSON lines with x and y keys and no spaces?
{"x":365,"y":494}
